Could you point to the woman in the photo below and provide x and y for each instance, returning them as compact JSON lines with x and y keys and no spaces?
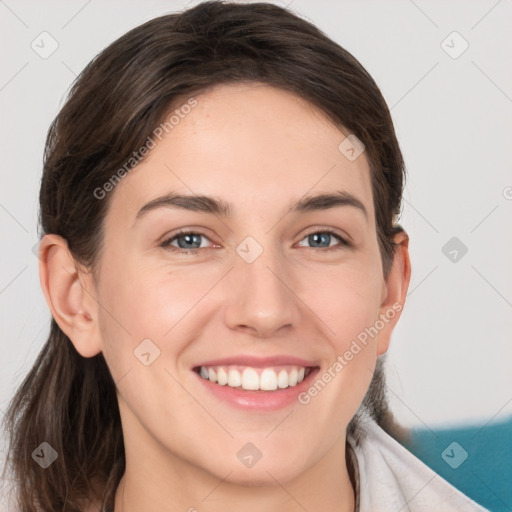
{"x":243,"y":371}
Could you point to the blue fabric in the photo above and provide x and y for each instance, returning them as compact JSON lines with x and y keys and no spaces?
{"x":476,"y":459}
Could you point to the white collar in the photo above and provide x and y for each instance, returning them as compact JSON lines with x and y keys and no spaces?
{"x":389,"y":478}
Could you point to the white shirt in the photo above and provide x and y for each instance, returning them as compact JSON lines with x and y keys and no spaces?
{"x":391,"y":479}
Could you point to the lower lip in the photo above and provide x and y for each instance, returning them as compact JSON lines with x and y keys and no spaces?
{"x":258,"y":400}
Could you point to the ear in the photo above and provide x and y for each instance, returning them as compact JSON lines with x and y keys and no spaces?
{"x":70,"y":295}
{"x":394,"y":291}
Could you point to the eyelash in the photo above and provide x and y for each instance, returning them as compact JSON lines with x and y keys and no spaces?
{"x":166,"y":243}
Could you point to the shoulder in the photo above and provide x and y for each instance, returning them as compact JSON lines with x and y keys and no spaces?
{"x":391,"y":477}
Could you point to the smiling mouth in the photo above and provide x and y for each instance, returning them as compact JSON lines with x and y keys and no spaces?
{"x":255,"y":379}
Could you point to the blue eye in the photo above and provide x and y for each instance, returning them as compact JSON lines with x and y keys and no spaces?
{"x":187,"y":239}
{"x":325,"y":236}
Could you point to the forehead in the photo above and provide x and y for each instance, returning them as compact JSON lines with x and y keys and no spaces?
{"x":255,"y":146}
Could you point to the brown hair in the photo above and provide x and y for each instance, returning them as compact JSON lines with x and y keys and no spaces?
{"x":113,"y":106}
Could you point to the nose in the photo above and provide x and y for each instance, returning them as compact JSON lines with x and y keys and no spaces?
{"x":262,"y":300}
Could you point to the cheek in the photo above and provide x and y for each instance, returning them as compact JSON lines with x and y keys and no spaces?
{"x":347,"y":301}
{"x":345,"y":298}
{"x":140,"y":302}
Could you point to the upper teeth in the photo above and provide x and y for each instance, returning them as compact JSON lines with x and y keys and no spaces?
{"x":266,"y":379}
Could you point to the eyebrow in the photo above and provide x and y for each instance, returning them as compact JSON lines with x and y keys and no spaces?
{"x":216,"y":206}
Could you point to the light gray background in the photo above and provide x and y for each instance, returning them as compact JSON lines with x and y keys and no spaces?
{"x":451,"y":354}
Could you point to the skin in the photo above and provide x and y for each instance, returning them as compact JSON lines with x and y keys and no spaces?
{"x":260,"y":149}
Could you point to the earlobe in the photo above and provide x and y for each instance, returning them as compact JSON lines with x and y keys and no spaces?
{"x":396,"y":288}
{"x":64,"y":286}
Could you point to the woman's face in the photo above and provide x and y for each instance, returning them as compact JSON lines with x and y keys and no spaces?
{"x":261,"y":301}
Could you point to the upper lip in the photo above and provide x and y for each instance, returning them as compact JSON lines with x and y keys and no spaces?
{"x":258,"y":362}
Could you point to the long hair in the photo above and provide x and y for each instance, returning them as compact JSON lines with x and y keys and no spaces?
{"x":113,"y":106}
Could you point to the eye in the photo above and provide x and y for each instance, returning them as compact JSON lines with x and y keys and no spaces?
{"x":319,"y":237}
{"x":189,"y":242}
